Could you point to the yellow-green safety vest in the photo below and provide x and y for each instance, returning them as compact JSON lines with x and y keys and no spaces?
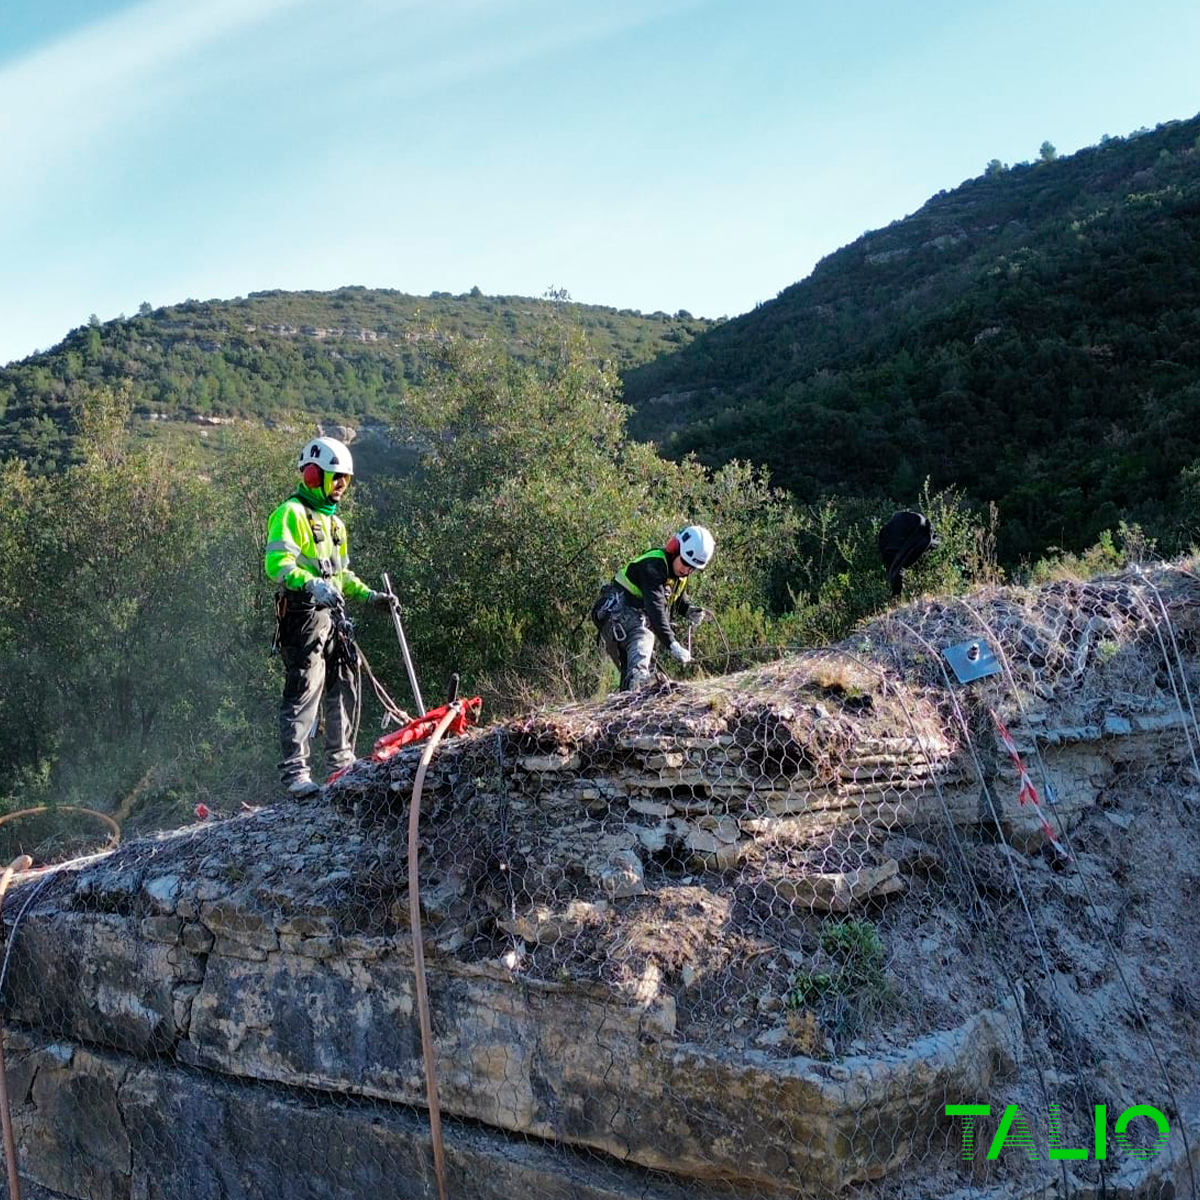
{"x":674,"y":591}
{"x":303,"y":544}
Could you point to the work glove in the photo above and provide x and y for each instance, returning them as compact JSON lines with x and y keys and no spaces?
{"x":383,"y":600}
{"x":324,"y":594}
{"x":696,"y":614}
{"x":680,"y":652}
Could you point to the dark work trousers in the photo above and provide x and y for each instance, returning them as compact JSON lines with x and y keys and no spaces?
{"x":629,"y":641}
{"x":314,"y":667}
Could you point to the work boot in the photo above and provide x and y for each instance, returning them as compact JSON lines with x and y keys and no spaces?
{"x":303,"y":786}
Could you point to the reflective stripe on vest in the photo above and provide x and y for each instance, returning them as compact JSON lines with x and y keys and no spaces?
{"x":622,"y":577}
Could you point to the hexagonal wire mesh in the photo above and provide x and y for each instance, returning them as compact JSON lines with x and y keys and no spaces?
{"x":747,"y":936}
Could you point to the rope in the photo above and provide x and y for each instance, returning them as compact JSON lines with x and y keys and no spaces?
{"x":936,"y":657}
{"x":104,"y":818}
{"x":353,"y":654}
{"x":392,"y":711}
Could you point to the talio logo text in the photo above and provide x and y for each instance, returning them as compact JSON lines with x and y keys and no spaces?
{"x":1014,"y":1131}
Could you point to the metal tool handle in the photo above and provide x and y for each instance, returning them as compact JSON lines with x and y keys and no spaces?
{"x":408,"y":662}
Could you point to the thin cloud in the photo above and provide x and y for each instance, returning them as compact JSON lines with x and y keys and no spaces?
{"x":100,"y":86}
{"x":53,"y":100}
{"x":513,"y":34}
{"x":157,"y":151}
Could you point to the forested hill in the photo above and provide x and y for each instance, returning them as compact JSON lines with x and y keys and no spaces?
{"x":349,"y":354}
{"x":1032,"y":336}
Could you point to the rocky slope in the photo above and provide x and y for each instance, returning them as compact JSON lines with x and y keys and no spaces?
{"x":745,"y":936}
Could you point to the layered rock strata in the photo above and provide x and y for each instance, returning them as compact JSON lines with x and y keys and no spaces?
{"x":641,"y":920}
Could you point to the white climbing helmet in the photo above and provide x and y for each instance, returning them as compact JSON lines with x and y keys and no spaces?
{"x":329,"y":454}
{"x":696,"y":546}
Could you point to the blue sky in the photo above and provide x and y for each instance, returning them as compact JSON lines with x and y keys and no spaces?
{"x":652,"y":154}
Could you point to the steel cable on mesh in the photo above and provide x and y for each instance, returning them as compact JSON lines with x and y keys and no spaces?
{"x":973,"y":885}
{"x":1178,"y":661}
{"x":987,"y":792}
{"x":22,"y":863}
{"x":1152,"y":620}
{"x":1064,"y":835}
{"x":11,"y":940}
{"x":505,"y":867}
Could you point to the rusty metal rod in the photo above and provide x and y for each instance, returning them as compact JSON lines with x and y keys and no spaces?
{"x":414,"y":917}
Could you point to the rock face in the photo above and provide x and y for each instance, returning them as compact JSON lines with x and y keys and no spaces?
{"x":744,"y":937}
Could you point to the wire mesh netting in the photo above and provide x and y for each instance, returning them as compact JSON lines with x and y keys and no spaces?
{"x":836,"y":925}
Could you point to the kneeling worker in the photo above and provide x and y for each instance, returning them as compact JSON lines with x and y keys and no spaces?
{"x":308,"y":558}
{"x":637,"y":606}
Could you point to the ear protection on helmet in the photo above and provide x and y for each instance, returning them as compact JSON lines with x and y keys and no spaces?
{"x":312,"y":476}
{"x":672,"y":547}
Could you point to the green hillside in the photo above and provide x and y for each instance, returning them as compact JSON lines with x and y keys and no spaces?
{"x":350,"y":354}
{"x":1032,"y":336}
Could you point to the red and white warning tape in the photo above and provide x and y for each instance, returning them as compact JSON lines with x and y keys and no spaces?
{"x":1028,"y":793}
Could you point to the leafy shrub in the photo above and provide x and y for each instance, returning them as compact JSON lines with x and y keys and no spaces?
{"x":852,"y":986}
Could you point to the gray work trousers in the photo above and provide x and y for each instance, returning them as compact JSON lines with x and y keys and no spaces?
{"x":314,"y":668}
{"x":629,"y":641}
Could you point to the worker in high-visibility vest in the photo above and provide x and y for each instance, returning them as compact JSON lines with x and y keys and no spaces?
{"x":635,"y":609}
{"x":308,"y":558}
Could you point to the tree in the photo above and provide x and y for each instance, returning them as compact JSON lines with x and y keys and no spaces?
{"x":528,"y":496}
{"x":144,"y":309}
{"x":140,"y":635}
{"x":995,"y":167}
{"x":1047,"y":153}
